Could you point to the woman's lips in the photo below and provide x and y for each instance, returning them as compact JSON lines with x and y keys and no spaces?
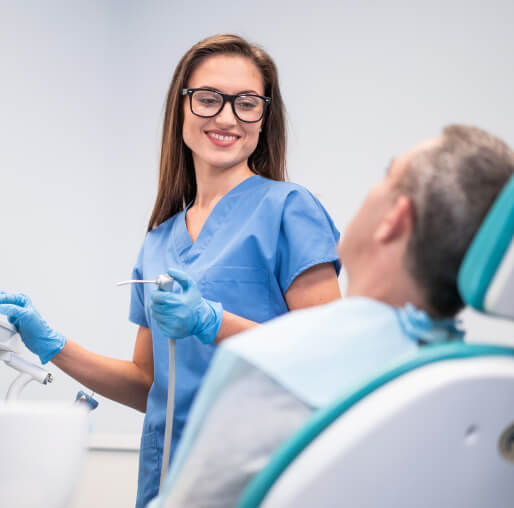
{"x":222,"y":138}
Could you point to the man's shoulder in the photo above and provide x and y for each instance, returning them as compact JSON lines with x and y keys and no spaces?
{"x":318,"y":352}
{"x":335,"y":318}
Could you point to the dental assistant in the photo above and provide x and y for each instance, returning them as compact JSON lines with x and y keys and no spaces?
{"x":243,"y":245}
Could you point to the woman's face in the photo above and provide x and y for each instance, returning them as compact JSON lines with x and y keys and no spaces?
{"x":222,"y":141}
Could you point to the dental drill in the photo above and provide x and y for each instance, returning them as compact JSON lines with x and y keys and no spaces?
{"x":164,"y":282}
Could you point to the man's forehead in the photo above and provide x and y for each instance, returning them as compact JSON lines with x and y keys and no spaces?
{"x":399,"y":163}
{"x":427,"y":144}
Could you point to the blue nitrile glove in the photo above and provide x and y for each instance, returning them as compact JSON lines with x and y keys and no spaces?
{"x":34,"y":331}
{"x":186,"y":313}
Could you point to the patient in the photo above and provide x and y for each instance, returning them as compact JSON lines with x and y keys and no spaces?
{"x":402,"y":253}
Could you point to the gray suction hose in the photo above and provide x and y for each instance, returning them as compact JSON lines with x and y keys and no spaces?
{"x":170,"y":409}
{"x":164,"y":282}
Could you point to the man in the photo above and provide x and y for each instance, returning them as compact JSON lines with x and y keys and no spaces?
{"x":402,"y":252}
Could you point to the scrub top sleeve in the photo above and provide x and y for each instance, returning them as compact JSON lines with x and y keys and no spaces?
{"x":137,"y":296}
{"x":307,"y":237}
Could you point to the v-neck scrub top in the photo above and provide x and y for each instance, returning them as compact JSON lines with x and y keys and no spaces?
{"x":258,"y":238}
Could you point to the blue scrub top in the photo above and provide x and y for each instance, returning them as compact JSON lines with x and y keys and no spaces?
{"x":259,"y":237}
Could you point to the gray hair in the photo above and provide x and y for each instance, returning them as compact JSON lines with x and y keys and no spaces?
{"x":452,"y":186}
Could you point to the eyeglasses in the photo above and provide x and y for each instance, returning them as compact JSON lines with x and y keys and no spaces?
{"x":247,"y":107}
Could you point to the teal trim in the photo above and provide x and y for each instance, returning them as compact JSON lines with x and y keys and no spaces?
{"x":487,"y":249}
{"x":260,"y":485}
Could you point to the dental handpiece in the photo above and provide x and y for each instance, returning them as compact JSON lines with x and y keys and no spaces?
{"x":163,"y":281}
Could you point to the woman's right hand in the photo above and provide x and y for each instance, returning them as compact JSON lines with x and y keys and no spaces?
{"x":33,"y":329}
{"x":186,"y":313}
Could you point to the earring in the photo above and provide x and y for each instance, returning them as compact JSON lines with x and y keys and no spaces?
{"x":260,"y":130}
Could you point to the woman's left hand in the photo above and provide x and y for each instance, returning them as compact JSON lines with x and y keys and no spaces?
{"x":186,"y":313}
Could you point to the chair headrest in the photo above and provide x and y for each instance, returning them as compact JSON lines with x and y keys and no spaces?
{"x":486,"y":276}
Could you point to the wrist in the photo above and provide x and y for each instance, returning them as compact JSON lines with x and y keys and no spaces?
{"x":210,"y":331}
{"x":54,"y":347}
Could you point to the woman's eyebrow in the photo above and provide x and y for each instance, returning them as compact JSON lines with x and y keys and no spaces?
{"x":238,"y":93}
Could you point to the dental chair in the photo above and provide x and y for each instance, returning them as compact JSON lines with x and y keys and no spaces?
{"x":436,"y":430}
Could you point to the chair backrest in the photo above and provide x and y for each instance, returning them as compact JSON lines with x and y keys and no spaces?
{"x":395,"y":420}
{"x":486,"y":277}
{"x":436,"y":429}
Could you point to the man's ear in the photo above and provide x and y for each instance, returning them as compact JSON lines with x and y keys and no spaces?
{"x":399,"y":220}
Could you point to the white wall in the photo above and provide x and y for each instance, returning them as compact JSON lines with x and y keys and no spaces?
{"x":81,"y":99}
{"x":109,"y":479}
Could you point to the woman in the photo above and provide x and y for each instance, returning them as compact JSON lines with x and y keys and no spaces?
{"x":244,"y":245}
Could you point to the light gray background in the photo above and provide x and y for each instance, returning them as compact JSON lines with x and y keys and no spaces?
{"x":82,"y":93}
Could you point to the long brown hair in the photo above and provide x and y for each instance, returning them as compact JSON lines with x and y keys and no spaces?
{"x":177,"y":182}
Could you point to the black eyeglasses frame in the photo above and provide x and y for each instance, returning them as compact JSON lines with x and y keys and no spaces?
{"x":226,"y":98}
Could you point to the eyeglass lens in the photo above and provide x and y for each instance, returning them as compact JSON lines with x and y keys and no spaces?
{"x":207,"y":103}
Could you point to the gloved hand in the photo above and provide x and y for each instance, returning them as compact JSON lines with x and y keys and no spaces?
{"x":34,"y":331}
{"x":186,"y":313}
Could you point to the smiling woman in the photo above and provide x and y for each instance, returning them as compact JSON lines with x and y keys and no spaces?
{"x":214,"y":132}
{"x":244,"y":245}
{"x":254,"y":245}
{"x":247,"y":72}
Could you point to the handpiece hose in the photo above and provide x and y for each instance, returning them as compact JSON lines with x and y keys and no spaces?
{"x":165,"y":283}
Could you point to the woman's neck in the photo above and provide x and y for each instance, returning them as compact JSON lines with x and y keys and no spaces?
{"x":213,"y":183}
